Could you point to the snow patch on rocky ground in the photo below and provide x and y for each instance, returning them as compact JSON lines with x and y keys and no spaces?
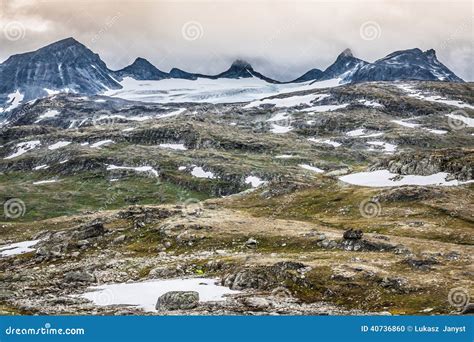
{"x":145,"y":294}
{"x":325,"y":141}
{"x":147,"y":169}
{"x":254,"y":181}
{"x":48,"y":181}
{"x":100,"y":143}
{"x":356,"y":132}
{"x":17,"y":248}
{"x":432,"y":98}
{"x":277,"y":129}
{"x":179,"y":147}
{"x":41,"y":167}
{"x":199,"y":172}
{"x":14,"y":99}
{"x":285,"y":102}
{"x":324,"y":108}
{"x":384,"y":178}
{"x":24,"y":147}
{"x":311,"y":168}
{"x":48,"y":115}
{"x":386,"y":147}
{"x":59,"y":144}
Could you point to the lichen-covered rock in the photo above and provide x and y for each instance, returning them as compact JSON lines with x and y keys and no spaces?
{"x":178,"y":300}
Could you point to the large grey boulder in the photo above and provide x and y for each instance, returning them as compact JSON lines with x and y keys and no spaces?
{"x":177,"y":300}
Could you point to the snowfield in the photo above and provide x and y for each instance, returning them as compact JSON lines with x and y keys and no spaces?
{"x":224,"y":90}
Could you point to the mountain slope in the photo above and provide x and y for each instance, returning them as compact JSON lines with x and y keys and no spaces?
{"x":412,"y":64}
{"x":66,"y":65}
{"x":313,"y":74}
{"x":178,"y":73}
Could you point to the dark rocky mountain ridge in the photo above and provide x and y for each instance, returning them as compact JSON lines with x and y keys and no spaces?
{"x":69,"y":66}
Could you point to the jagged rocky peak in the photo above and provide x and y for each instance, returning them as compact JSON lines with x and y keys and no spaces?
{"x":346,"y":53}
{"x":238,"y":69}
{"x":178,"y":73}
{"x":344,"y":66}
{"x":430,"y":53}
{"x":243,"y":69}
{"x":241,"y":64}
{"x":411,"y":64}
{"x":66,"y":65}
{"x":142,"y":69}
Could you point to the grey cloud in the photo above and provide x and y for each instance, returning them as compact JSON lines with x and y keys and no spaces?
{"x":281,"y":38}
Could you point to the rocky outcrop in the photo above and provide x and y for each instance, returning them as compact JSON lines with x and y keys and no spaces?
{"x":265,"y":277}
{"x":459,"y":163}
{"x":90,"y":230}
{"x":352,"y":234}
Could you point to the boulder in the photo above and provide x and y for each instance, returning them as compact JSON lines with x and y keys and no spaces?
{"x":251,"y":243}
{"x":352,"y":234}
{"x":256,"y":303}
{"x":468,"y":309}
{"x":177,"y":300}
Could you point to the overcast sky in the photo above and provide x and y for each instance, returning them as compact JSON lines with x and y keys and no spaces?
{"x":281,"y":39}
